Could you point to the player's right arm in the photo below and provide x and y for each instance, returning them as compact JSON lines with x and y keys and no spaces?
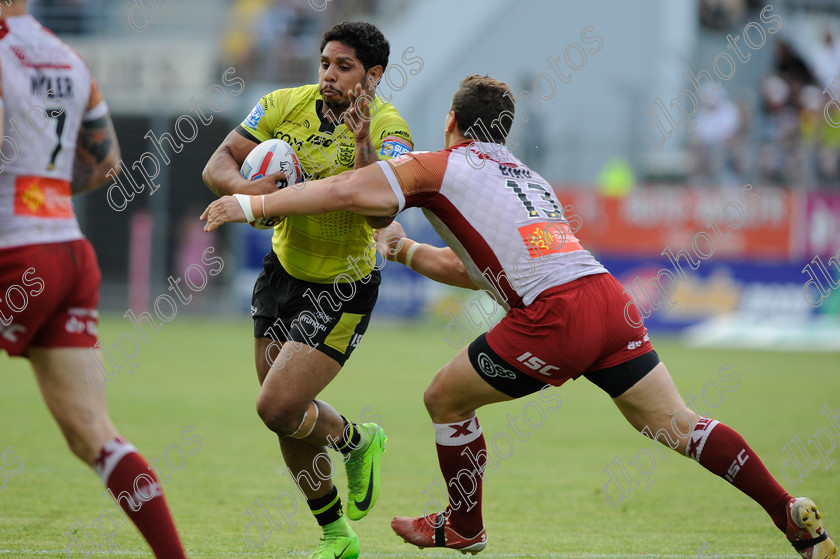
{"x":221,"y":174}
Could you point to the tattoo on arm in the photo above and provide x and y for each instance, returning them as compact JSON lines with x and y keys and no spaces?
{"x":96,"y":151}
{"x":365,"y":154}
{"x":94,"y":138}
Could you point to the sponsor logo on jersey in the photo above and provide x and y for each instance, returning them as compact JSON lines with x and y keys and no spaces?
{"x":405,"y":158}
{"x":257,"y":113}
{"x":304,"y":124}
{"x":394,"y":147}
{"x":42,"y":197}
{"x":43,"y":56}
{"x":402,"y":133}
{"x":548,"y":237}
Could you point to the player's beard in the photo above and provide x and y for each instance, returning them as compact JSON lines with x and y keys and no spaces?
{"x":337,"y":104}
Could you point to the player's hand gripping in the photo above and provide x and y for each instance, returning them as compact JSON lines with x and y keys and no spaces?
{"x":389,"y":240}
{"x":224,"y":210}
{"x":265,"y":185}
{"x":357,"y":117}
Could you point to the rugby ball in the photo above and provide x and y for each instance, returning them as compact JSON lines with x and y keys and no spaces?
{"x":272,"y":156}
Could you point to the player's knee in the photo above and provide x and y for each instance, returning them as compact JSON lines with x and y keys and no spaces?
{"x":280,"y":417}
{"x":431,"y":397}
{"x":439,"y":403}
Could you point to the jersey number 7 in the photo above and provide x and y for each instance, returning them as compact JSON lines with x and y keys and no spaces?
{"x":59,"y":115}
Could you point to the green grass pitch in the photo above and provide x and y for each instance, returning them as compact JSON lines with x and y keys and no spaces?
{"x":544,"y":500}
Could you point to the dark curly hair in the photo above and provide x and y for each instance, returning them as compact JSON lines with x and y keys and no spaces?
{"x":371,"y":46}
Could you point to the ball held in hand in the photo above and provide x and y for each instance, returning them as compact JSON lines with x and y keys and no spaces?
{"x":272,"y":156}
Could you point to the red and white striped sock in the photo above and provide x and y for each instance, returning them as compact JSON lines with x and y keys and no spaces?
{"x":722,"y":451}
{"x":136,"y":488}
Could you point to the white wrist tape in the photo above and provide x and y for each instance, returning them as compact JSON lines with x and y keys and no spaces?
{"x":245,"y":203}
{"x":410,"y":253}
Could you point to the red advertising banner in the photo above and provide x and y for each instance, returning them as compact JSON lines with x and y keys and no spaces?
{"x":743,"y":222}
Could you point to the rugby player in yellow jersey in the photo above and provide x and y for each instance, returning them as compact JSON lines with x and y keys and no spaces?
{"x":313,"y":300}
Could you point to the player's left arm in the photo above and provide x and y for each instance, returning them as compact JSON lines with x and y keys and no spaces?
{"x":364,"y":191}
{"x":359,"y":119}
{"x":97,"y":148}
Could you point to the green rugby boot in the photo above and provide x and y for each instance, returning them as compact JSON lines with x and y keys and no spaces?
{"x":339,"y":543}
{"x":363,"y":471}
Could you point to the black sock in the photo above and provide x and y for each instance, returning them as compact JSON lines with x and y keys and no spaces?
{"x":326,"y":509}
{"x":351,"y":438}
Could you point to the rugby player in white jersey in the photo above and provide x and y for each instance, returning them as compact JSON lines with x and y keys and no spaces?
{"x":57,"y":139}
{"x":566,"y":315}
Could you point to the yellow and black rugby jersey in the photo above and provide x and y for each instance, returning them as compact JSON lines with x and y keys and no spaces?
{"x":317,"y":248}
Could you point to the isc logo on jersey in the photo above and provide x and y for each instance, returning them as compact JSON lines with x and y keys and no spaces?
{"x":256,"y":114}
{"x":393,"y":147}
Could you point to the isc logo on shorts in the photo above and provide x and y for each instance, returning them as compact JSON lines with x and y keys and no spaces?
{"x":536,"y":364}
{"x":491,"y":369}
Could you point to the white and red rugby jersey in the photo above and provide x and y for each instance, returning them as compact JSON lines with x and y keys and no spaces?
{"x":501,"y":218}
{"x":46,"y":92}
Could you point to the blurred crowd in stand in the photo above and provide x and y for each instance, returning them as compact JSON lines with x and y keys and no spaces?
{"x":788,"y":133}
{"x":277,"y":40}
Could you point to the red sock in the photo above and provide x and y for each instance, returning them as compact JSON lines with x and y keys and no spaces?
{"x":137,"y":490}
{"x":722,"y":451}
{"x":462,"y":455}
